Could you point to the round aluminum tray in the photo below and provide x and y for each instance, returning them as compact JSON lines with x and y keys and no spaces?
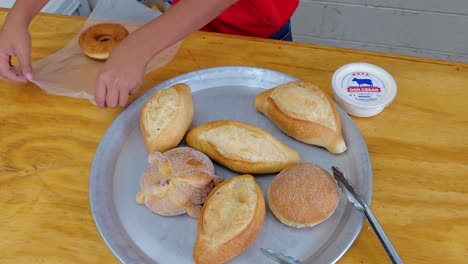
{"x":136,"y":235}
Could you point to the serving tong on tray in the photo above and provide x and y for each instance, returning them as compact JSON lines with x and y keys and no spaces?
{"x":358,"y":202}
{"x":279,"y":257}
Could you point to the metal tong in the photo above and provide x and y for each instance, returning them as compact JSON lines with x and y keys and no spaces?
{"x":279,"y":257}
{"x":356,"y":200}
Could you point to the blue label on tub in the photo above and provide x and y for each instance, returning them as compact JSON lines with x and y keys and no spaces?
{"x":363,"y":86}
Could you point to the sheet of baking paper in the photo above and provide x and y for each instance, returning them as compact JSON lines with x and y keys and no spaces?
{"x":69,"y":72}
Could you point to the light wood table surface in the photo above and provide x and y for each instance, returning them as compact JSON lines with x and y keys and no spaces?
{"x":418,"y":148}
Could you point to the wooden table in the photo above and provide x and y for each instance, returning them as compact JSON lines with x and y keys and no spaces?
{"x":418,"y":148}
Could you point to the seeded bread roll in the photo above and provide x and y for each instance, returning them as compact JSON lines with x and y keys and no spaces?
{"x":230,"y":220}
{"x":242,"y":147}
{"x":303,"y":195}
{"x":166,"y":117}
{"x":304,"y":112}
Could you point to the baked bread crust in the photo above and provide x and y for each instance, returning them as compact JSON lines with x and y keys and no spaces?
{"x":98,"y":40}
{"x":303,"y":195}
{"x":177,"y":182}
{"x":230,"y":220}
{"x":242,"y":147}
{"x":304,"y":112}
{"x":166,"y":117}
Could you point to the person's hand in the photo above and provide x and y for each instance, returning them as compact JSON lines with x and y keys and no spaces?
{"x":15,"y":40}
{"x":120,"y":76}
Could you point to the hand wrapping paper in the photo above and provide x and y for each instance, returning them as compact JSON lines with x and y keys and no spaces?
{"x":69,"y":72}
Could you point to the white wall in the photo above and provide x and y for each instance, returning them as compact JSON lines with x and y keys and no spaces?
{"x":92,"y":3}
{"x":427,"y":28}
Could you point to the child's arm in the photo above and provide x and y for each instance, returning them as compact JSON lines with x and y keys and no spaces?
{"x":16,"y":41}
{"x":124,"y":69}
{"x":23,"y":11}
{"x":177,"y":23}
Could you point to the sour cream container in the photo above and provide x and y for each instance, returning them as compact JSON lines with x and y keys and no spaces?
{"x":363,"y":89}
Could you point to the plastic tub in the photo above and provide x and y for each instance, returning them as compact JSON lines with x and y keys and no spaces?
{"x":363,"y":89}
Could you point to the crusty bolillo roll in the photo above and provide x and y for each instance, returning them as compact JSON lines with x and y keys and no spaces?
{"x":304,"y":112}
{"x":166,"y":117}
{"x":230,"y":220}
{"x":242,"y":147}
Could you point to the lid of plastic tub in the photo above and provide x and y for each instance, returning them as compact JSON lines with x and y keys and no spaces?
{"x":364,"y":85}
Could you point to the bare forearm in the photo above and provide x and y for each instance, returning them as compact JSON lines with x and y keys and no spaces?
{"x":177,"y":23}
{"x":23,"y":11}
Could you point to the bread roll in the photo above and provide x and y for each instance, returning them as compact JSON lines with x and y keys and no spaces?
{"x":177,"y":182}
{"x":166,"y":117}
{"x":242,"y":147}
{"x":230,"y":220}
{"x":304,"y":112}
{"x":99,"y":40}
{"x":303,"y":195}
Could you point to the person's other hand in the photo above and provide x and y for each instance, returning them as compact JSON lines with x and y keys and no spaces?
{"x":120,"y":76}
{"x":15,"y":41}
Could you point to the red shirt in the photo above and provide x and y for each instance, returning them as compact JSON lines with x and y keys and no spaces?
{"x":258,"y":18}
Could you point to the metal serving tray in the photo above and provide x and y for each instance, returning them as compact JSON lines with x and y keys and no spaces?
{"x":136,"y":235}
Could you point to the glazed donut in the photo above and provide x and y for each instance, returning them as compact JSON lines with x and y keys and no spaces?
{"x":98,"y":41}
